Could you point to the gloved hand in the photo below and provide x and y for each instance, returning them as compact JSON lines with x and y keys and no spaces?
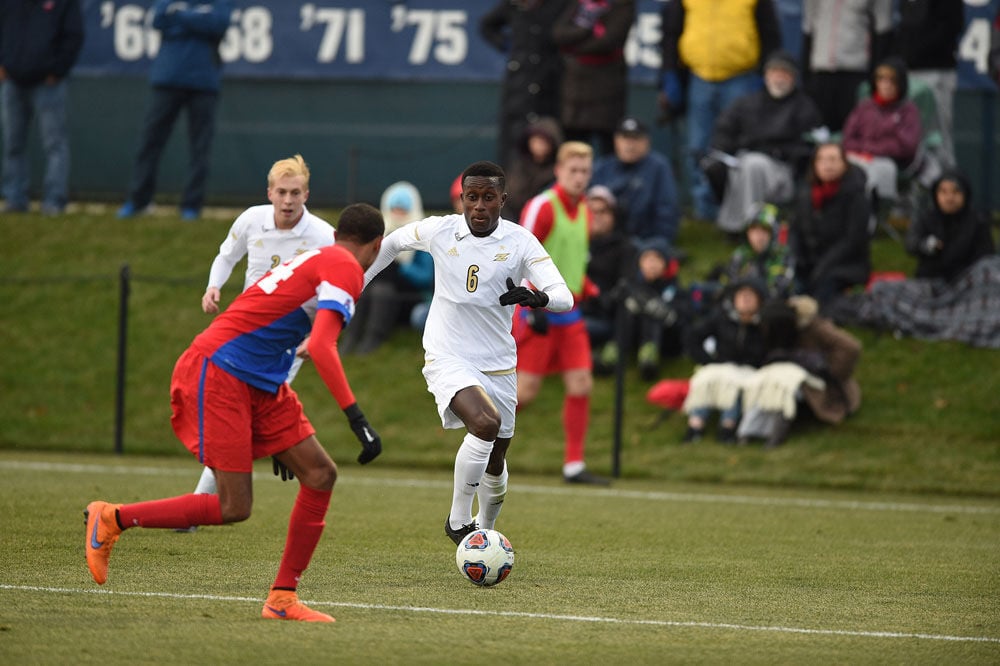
{"x":280,"y":470}
{"x":931,"y":244}
{"x":371,"y":443}
{"x":518,"y":295}
{"x":538,"y":321}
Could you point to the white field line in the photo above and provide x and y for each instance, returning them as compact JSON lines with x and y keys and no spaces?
{"x":610,"y":493}
{"x":516,"y":614}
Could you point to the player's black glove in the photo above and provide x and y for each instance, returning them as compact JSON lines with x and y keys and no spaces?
{"x":282,"y":471}
{"x":518,"y":295}
{"x":371,"y":443}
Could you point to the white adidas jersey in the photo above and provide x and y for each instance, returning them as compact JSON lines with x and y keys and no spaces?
{"x":470,"y":273}
{"x":255,"y":236}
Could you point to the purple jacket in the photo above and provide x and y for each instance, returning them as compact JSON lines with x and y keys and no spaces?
{"x":885,"y":131}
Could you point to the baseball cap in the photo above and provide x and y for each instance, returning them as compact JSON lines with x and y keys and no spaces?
{"x":631,"y":126}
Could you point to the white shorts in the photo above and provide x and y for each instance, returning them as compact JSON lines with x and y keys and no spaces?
{"x":447,"y":376}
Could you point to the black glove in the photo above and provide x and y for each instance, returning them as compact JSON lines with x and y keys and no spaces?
{"x":371,"y":443}
{"x":538,"y":321}
{"x":280,"y":470}
{"x":518,"y":295}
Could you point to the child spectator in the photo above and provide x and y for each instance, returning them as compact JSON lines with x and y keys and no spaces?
{"x":763,"y":255}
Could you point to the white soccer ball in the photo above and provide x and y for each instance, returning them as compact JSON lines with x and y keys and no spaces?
{"x":485,"y":557}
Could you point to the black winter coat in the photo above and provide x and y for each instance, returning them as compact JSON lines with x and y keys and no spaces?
{"x":965,"y":237}
{"x":735,"y":341}
{"x":522,"y":31}
{"x":775,"y":127}
{"x":39,"y":39}
{"x":834,"y":240}
{"x":595,"y":81}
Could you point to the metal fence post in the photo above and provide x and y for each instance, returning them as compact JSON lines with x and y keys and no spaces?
{"x":124,"y":282}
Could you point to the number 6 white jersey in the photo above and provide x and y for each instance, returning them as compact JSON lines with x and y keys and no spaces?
{"x":470,"y":273}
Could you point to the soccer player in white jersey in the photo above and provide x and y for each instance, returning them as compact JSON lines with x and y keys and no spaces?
{"x":267,"y":235}
{"x":470,"y":356}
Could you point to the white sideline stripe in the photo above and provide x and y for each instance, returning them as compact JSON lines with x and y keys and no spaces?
{"x":800,"y":502}
{"x":535,"y":616}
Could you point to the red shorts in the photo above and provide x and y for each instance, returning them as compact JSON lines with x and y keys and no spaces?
{"x":225,"y":422}
{"x":562,"y":348}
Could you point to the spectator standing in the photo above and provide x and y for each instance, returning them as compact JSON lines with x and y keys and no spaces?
{"x":532,"y":165}
{"x":761,"y":145}
{"x":186,"y":75}
{"x":927,"y":39}
{"x":591,"y":36}
{"x":949,"y":236}
{"x":642,"y":182}
{"x":39,"y":44}
{"x":829,"y":236}
{"x":841,"y":42}
{"x":558,"y":343}
{"x":522,"y":31}
{"x":718,"y":48}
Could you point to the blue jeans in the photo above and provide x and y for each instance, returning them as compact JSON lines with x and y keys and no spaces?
{"x":165,"y":106}
{"x":706,"y":99}
{"x":18,"y":106}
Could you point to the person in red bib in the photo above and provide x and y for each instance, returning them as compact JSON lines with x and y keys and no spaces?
{"x":557,"y":342}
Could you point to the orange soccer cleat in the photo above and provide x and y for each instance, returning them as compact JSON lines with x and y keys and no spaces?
{"x":102,"y":533}
{"x":285,"y":605}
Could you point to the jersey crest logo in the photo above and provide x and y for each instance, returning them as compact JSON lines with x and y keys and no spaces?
{"x":259,"y":243}
{"x":501,"y":256}
{"x":453,"y":252}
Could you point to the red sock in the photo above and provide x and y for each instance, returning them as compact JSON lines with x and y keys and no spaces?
{"x":576,"y":417}
{"x":305,"y":526}
{"x":175,"y":512}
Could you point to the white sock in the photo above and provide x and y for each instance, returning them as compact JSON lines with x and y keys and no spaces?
{"x":470,"y":465}
{"x":206,"y":484}
{"x":573,"y":468}
{"x":491,"y":494}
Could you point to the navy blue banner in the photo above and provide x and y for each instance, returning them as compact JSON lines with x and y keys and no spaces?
{"x":413,"y":40}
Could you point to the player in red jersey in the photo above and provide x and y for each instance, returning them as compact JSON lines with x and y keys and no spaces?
{"x":232,"y":405}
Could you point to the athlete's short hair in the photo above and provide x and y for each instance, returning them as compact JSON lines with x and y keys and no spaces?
{"x":290,"y":166}
{"x":572,"y":149}
{"x":486,"y":169}
{"x":361,"y":223}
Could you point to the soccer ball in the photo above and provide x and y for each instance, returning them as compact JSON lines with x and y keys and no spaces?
{"x":485,"y":557}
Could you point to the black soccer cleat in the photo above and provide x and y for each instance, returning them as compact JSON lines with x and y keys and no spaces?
{"x":586,"y":477}
{"x":461,"y":532}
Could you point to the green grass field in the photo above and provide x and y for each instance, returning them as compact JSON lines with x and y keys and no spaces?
{"x":874,"y":542}
{"x":644,"y":572}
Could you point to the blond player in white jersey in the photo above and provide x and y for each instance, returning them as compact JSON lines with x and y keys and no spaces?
{"x":470,"y":356}
{"x":267,"y":235}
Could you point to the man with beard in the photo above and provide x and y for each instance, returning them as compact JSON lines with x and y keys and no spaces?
{"x":760,"y":144}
